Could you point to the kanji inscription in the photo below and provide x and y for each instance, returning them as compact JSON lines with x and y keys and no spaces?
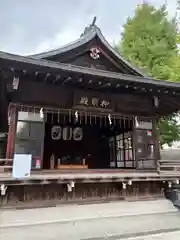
{"x":93,"y":102}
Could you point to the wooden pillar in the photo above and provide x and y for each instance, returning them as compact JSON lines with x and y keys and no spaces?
{"x":42,"y":145}
{"x":135,"y":143}
{"x":11,"y":132}
{"x":156,"y":141}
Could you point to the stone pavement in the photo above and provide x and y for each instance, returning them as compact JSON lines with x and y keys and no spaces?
{"x":70,"y":213}
{"x":116,"y":220}
{"x":97,"y":229}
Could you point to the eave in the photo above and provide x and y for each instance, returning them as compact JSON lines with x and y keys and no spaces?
{"x":50,"y":65}
{"x":168,"y":92}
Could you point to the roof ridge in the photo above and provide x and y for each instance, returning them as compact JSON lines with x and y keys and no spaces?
{"x":82,"y":39}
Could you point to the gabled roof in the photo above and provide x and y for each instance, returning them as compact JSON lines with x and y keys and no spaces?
{"x":89,"y":34}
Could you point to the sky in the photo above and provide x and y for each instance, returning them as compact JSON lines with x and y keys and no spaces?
{"x":33,"y":26}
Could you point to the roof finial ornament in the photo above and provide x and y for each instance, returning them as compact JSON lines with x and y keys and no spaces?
{"x":88,"y":28}
{"x":94,"y":21}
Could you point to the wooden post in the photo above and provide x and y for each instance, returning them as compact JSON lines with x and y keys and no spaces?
{"x":156,"y":140}
{"x":12,"y":132}
{"x":42,"y":145}
{"x":134,"y":139}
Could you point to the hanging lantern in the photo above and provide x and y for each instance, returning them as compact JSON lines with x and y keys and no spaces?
{"x":56,"y":132}
{"x":78,"y":134}
{"x":67,"y":133}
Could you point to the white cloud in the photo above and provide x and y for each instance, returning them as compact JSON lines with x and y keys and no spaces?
{"x":36,"y":26}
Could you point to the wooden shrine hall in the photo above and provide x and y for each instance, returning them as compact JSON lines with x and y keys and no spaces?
{"x":82,"y":108}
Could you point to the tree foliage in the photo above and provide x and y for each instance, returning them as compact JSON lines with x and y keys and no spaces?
{"x":149,"y":41}
{"x":168,"y":130}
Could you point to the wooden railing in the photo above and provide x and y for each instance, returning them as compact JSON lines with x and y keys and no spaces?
{"x":5,"y":164}
{"x":169,"y":166}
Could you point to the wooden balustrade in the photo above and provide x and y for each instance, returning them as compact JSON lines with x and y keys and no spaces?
{"x":5,"y":164}
{"x":169,"y":166}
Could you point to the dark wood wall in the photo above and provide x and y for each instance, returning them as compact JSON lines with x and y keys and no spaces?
{"x":41,"y":93}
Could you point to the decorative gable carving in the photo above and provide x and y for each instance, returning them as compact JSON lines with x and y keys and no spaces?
{"x":91,"y":43}
{"x":97,"y":61}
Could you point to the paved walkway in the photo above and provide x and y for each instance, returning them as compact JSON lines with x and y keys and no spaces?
{"x":69,"y":213}
{"x":116,"y":220}
{"x":96,"y":229}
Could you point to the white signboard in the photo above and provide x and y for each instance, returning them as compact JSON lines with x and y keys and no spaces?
{"x":22,"y":165}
